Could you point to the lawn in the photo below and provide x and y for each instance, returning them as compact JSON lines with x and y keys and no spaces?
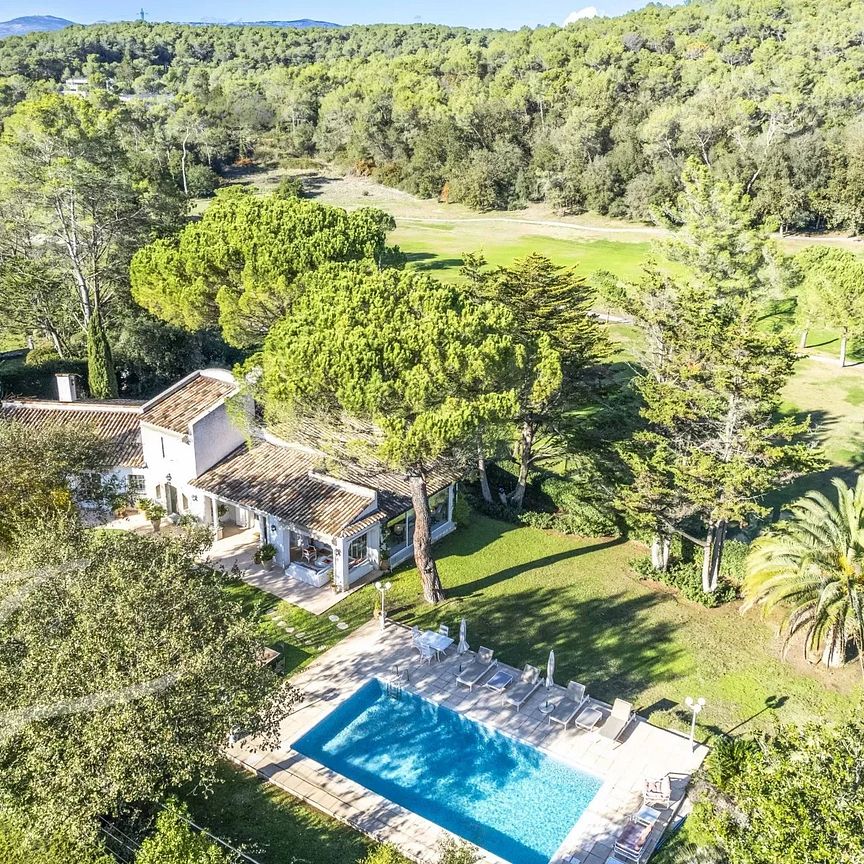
{"x":271,"y":826}
{"x":437,"y":248}
{"x":525,"y":591}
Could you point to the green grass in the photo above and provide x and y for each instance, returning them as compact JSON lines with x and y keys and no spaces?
{"x":437,"y":248}
{"x":526,"y":591}
{"x":273,"y":827}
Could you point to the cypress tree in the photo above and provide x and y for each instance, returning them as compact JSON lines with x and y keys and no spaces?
{"x":101,"y":377}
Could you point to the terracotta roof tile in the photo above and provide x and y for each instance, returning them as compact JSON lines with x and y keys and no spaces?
{"x":118,"y":424}
{"x":276,"y":480}
{"x":178,"y":408}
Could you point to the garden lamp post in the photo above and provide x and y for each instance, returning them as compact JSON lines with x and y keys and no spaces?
{"x":383,"y":588}
{"x":696,"y":706}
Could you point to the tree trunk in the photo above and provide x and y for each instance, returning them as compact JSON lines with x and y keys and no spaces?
{"x":433,"y":592}
{"x":526,"y":452}
{"x":833,"y":657}
{"x":183,"y":166}
{"x":843,"y":342}
{"x":660,"y":550}
{"x":656,"y":560}
{"x":484,"y":479}
{"x":706,"y":561}
{"x":804,"y":333}
{"x":716,"y":540}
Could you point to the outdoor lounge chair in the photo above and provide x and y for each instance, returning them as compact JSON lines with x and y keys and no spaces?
{"x":569,"y":705}
{"x":618,"y":720}
{"x":658,"y":793}
{"x":473,"y":673}
{"x":630,"y":844}
{"x":521,"y":692}
{"x":499,"y":682}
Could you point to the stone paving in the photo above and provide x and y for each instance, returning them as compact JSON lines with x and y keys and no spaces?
{"x":644,"y":751}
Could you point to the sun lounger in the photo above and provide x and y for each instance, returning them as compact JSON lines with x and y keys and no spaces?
{"x":630,"y":844}
{"x":568,"y":706}
{"x":618,"y":720}
{"x":499,"y":682}
{"x":658,"y":793}
{"x":477,"y":668}
{"x":528,"y":683}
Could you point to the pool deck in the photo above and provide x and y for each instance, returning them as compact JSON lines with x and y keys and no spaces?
{"x":645,"y":750}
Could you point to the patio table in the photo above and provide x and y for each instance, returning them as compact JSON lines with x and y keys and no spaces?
{"x":438,"y":642}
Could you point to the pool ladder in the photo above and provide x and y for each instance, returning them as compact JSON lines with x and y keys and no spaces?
{"x":394,"y":691}
{"x":397,"y":676}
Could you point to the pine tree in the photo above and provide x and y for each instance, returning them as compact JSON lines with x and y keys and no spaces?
{"x":550,"y":307}
{"x":101,"y":377}
{"x":714,"y":440}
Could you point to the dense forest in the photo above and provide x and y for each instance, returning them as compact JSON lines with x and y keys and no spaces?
{"x":600,"y":115}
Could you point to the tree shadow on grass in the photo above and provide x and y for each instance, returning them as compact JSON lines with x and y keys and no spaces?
{"x":427,"y":261}
{"x":468,"y":588}
{"x":271,"y":825}
{"x":612,"y":643}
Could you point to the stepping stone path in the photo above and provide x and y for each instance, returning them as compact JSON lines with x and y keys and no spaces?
{"x":341,"y":626}
{"x":334,"y":618}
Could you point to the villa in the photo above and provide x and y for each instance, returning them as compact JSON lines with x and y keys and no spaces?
{"x":184,"y":449}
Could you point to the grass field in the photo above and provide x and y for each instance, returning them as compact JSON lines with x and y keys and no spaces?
{"x":271,"y":826}
{"x":526,"y":591}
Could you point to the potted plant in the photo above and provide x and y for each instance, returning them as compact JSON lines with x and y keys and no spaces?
{"x":265,"y":556}
{"x":153,"y":510}
{"x":384,"y":557}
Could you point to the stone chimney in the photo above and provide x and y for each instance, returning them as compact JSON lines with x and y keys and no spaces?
{"x":67,"y":387}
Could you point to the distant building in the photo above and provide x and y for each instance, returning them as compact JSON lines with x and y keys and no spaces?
{"x":76,"y":86}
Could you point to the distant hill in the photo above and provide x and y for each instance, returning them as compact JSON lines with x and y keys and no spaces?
{"x":300,"y":23}
{"x":32,"y":23}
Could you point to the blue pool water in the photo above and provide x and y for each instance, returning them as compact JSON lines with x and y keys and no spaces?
{"x":500,"y":794}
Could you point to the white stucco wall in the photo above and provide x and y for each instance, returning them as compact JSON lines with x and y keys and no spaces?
{"x":178,"y":461}
{"x":214,"y":436}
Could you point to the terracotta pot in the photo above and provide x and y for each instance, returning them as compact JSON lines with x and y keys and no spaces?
{"x":156,"y":523}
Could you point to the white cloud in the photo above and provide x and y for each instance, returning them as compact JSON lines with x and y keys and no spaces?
{"x":580,"y":14}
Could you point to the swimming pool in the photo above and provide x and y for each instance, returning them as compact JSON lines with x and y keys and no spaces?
{"x":501,"y":794}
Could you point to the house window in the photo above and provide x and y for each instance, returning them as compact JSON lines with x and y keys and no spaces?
{"x":135,"y":485}
{"x":399,"y":533}
{"x":185,"y":503}
{"x":162,"y":445}
{"x":357,"y":550}
{"x":438,"y":508}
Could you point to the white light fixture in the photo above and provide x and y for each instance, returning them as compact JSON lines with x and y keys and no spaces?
{"x":383,"y":588}
{"x":696,"y":706}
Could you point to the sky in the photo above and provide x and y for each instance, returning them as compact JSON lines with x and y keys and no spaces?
{"x":511,"y":14}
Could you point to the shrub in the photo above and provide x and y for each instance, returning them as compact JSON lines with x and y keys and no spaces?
{"x":727,"y":758}
{"x":175,"y":842}
{"x":201,"y":180}
{"x":385,"y":854}
{"x":457,"y":852}
{"x":733,"y":562}
{"x":289,"y":187}
{"x":685,"y":577}
{"x":583,"y":511}
{"x":462,"y":511}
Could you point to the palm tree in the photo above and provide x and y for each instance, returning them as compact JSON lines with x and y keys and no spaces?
{"x":812,"y":566}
